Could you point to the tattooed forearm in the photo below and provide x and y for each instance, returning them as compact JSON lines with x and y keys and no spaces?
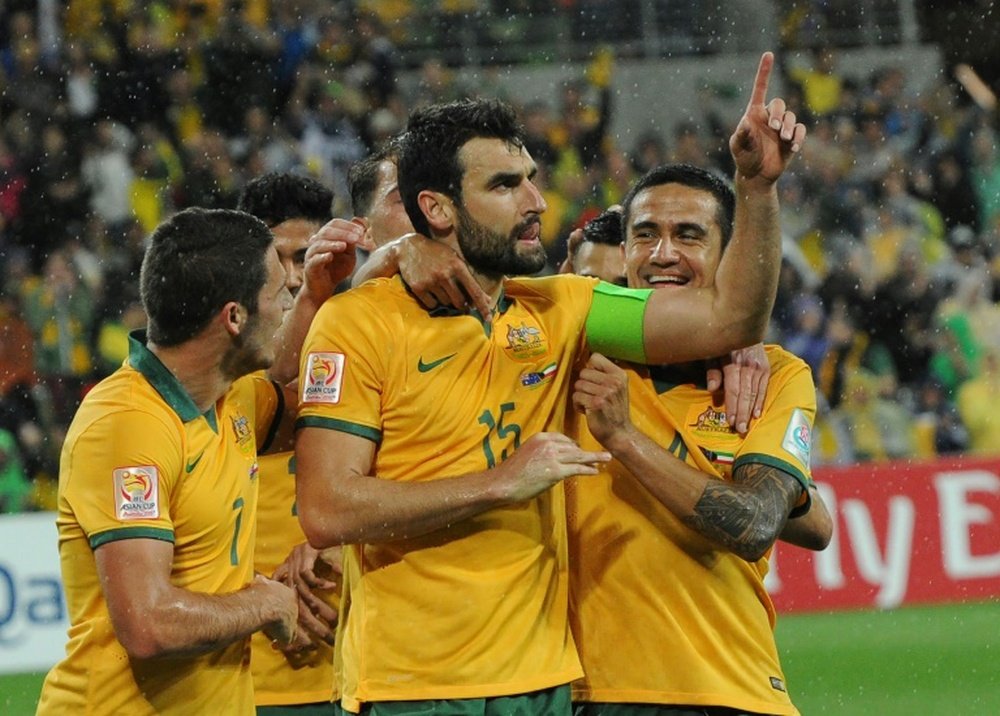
{"x":746,"y":515}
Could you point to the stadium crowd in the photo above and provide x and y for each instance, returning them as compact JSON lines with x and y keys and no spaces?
{"x":890,"y":285}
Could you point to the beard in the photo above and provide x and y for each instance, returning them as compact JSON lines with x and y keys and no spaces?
{"x":494,"y":254}
{"x":247,"y":352}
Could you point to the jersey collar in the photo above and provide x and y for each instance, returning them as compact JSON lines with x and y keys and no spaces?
{"x":667,"y":377}
{"x":503,"y":303}
{"x":160,"y":377}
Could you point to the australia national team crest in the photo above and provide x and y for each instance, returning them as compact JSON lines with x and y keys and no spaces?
{"x":324,"y":378}
{"x":137,"y":493}
{"x":798,"y":437}
{"x":243,"y":433}
{"x":710,"y":422}
{"x":525,"y":342}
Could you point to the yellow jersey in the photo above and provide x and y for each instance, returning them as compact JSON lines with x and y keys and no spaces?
{"x":141,"y":461}
{"x":477,"y":609}
{"x":661,"y":614}
{"x":280,"y":679}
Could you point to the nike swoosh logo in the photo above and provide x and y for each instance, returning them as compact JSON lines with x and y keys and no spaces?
{"x":424,"y":367}
{"x":191,"y":465}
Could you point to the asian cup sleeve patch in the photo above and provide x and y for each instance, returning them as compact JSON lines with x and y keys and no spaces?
{"x":324,"y":378}
{"x":137,"y":492}
{"x":798,"y":437}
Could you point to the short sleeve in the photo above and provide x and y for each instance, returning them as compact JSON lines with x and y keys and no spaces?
{"x":118,"y":476}
{"x":342,"y":374}
{"x":782,"y":436}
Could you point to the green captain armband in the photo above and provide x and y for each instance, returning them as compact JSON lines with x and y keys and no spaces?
{"x":614,"y":324}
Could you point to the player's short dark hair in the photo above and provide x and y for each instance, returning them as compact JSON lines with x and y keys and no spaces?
{"x":428,"y":157}
{"x":279,"y":197}
{"x":362,"y":177}
{"x":696,"y":178}
{"x":605,"y":228}
{"x":197,"y":261}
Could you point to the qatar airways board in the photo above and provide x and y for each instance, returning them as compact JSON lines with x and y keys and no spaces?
{"x":33,"y":620}
{"x":906,"y":533}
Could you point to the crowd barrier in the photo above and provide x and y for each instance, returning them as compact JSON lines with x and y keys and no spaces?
{"x":907,"y":532}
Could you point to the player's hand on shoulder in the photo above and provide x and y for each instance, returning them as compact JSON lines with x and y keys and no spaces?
{"x":767,"y":135}
{"x":542,"y":461}
{"x":744,"y":375}
{"x":438,"y":276}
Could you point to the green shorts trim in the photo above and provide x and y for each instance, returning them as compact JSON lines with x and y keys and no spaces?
{"x":604,"y":709}
{"x":546,"y":702}
{"x":324,"y":708}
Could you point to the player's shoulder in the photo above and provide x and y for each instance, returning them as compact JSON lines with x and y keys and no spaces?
{"x":782,"y":360}
{"x":251,"y":385}
{"x":375,"y":289}
{"x":375,"y":298}
{"x":555,"y":286}
{"x":124,"y":403}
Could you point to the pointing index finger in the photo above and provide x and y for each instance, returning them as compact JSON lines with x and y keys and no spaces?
{"x":761,"y":80}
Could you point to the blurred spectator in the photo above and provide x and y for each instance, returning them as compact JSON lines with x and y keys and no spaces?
{"x":880,"y":429}
{"x":952,"y":192}
{"x":807,"y":338}
{"x":537,"y":131}
{"x":107,"y":173}
{"x":14,"y":485}
{"x":819,"y":81}
{"x":55,"y":200}
{"x":904,"y":308}
{"x":239,"y":67}
{"x":939,"y":427}
{"x":649,"y":152}
{"x":59,"y":309}
{"x":977,"y":405}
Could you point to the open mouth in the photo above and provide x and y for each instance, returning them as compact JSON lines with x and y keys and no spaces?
{"x":530,"y":232}
{"x":665,"y":281}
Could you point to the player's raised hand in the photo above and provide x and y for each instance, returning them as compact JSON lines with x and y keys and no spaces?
{"x":330,"y":257}
{"x":767,"y":134}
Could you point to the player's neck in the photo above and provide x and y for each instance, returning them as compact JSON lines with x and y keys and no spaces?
{"x":197,"y":366}
{"x":491,"y":284}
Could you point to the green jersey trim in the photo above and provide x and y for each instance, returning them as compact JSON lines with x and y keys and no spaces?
{"x":615,"y":322}
{"x":160,"y":377}
{"x":131,"y":533}
{"x":503,"y":303}
{"x":667,"y":377}
{"x":344,"y":426}
{"x":784,"y":466}
{"x":279,"y":412}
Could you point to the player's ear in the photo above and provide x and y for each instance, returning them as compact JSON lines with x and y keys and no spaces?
{"x":438,"y":208}
{"x":233,"y":317}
